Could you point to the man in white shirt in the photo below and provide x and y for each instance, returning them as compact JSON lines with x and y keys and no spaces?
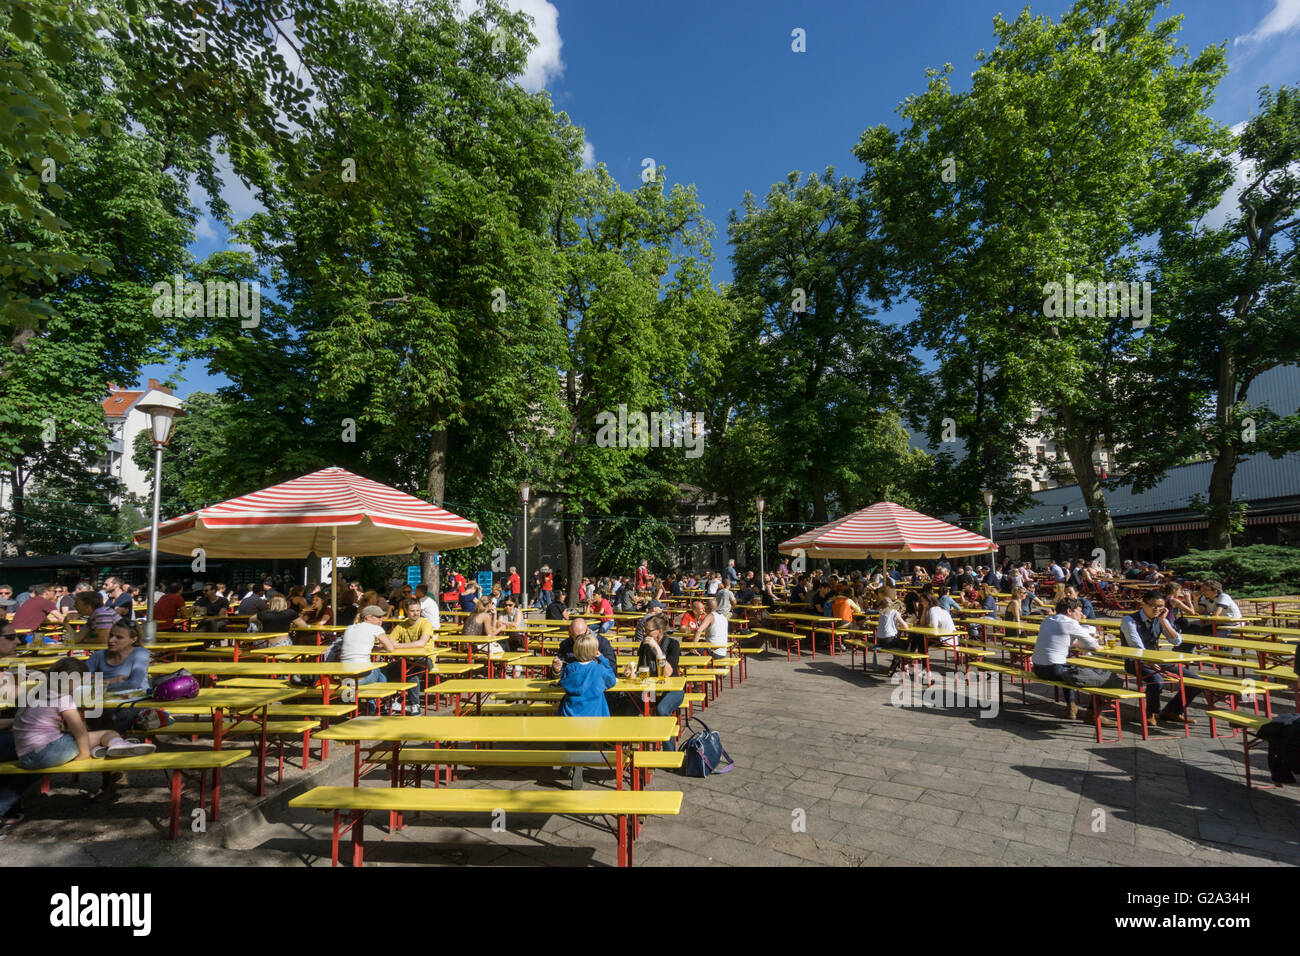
{"x":428,"y":606}
{"x":937,"y":617}
{"x":1057,"y":572}
{"x":359,"y":641}
{"x":1057,"y":635}
{"x":1220,"y":604}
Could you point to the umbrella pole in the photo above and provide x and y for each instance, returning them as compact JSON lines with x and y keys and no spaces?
{"x":334,"y":576}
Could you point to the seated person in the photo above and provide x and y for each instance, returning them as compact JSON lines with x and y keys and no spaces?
{"x":97,"y":618}
{"x":844,"y":607}
{"x":660,"y":654}
{"x":55,"y":733}
{"x":577,"y":628}
{"x":168,"y":606}
{"x":585,"y":679}
{"x":359,"y":640}
{"x":277,"y":618}
{"x":213,"y":608}
{"x":37,"y":610}
{"x":600,"y":605}
{"x":1056,"y":636}
{"x":558,"y":610}
{"x":693,"y":617}
{"x":1089,"y":612}
{"x":1143,"y":629}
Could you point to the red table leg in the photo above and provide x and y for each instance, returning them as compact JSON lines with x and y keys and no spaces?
{"x":176,"y":805}
{"x":358,"y":827}
{"x":216,"y":773}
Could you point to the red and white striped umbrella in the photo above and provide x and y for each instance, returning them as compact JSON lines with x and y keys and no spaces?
{"x":887,"y":530}
{"x":331,"y":511}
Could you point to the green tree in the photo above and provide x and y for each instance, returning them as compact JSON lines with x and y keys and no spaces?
{"x":1076,"y":144}
{"x":415,"y":266}
{"x":811,"y":361}
{"x":642,"y":325}
{"x":1232,"y":315}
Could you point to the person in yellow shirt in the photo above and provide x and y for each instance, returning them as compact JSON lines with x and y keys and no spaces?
{"x":415,"y":631}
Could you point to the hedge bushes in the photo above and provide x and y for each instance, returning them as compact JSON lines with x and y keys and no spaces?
{"x":1254,"y":571}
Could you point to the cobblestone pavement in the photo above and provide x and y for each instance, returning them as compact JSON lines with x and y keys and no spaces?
{"x":828,"y":772}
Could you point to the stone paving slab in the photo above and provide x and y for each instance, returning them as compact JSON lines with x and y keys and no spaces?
{"x":829,"y":772}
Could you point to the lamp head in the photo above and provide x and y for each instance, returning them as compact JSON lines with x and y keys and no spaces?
{"x":162,"y":410}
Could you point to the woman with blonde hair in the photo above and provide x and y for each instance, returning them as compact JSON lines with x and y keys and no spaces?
{"x":278,"y":618}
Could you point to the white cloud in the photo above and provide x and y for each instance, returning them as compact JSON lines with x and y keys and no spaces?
{"x":203,"y":229}
{"x":1283,"y":18}
{"x":544,"y":62}
{"x":1228,"y":204}
{"x":588,"y":154}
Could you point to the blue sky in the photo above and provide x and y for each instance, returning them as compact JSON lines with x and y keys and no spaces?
{"x":714,"y":92}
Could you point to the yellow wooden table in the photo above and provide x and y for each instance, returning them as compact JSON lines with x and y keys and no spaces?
{"x":1284,"y":635}
{"x":1260,"y":648}
{"x":328,"y":672}
{"x":647,"y":688}
{"x":237,"y":704}
{"x":811,"y":623}
{"x":1176,"y":659}
{"x":619,"y":731}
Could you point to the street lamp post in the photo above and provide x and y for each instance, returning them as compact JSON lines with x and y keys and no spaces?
{"x":760,"y":503}
{"x":162,"y":410}
{"x":525,"y":492}
{"x":988,"y":503}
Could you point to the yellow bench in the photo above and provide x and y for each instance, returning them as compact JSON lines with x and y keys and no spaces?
{"x":356,"y":801}
{"x":644,"y":760}
{"x":520,"y":708}
{"x":382,"y":690}
{"x":174,"y":764}
{"x":1114,"y":695}
{"x":1247,"y":724}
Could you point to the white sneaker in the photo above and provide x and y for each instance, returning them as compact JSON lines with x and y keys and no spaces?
{"x":98,"y":753}
{"x":130,"y":748}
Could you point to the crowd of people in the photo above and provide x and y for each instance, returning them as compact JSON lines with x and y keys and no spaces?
{"x":585,"y":664}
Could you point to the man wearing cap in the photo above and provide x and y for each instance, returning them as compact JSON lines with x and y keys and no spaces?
{"x":359,"y":641}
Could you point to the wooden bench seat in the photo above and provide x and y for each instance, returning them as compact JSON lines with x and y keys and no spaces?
{"x":1249,"y":725}
{"x":520,"y":708}
{"x":1115,"y":695}
{"x":357,"y":801}
{"x":171,"y":763}
{"x":790,"y":637}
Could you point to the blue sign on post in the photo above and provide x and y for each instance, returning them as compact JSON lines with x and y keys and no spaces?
{"x":413,"y":575}
{"x":485,"y":581}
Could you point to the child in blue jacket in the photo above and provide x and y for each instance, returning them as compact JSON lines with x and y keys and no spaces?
{"x":586,"y":679}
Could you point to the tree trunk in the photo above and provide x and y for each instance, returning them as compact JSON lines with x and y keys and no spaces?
{"x":19,"y":539}
{"x":1078,"y":447}
{"x":818,"y":491}
{"x":436,"y":482}
{"x":573,"y":556}
{"x":1219,"y":512}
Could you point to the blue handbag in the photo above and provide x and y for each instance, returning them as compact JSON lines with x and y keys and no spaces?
{"x":704,"y":752}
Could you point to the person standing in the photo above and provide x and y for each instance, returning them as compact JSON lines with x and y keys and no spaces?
{"x":643,"y":576}
{"x":547,"y":594}
{"x":514,"y":584}
{"x":730,"y":573}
